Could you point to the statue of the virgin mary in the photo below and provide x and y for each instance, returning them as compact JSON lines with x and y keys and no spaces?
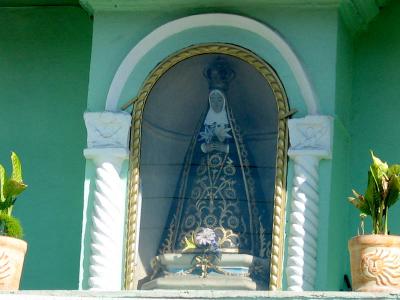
{"x":216,"y":190}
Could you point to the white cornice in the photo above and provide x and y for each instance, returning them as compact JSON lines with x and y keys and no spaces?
{"x":93,"y":6}
{"x":356,"y":14}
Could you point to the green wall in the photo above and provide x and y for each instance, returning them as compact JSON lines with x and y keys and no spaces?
{"x":44,"y":69}
{"x":335,"y":257}
{"x":376,"y":102}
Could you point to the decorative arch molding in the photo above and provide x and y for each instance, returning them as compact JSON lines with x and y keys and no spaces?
{"x":172,"y":28}
{"x":279,"y":199}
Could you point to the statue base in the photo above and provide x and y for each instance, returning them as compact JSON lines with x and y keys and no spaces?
{"x":233,"y":272}
{"x":192,"y":282}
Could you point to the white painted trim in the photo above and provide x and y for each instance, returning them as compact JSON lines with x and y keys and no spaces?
{"x":191,"y":294}
{"x":108,"y":220}
{"x":107,"y":129}
{"x":167,"y":30}
{"x":107,"y":141}
{"x":311,"y":141}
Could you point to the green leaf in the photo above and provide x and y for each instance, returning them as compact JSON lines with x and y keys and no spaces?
{"x":10,"y":226}
{"x":189,"y":244}
{"x":11,"y":187}
{"x":394,"y":170}
{"x":379,"y":172}
{"x":14,"y":188}
{"x":360,"y":202}
{"x":376,"y":175}
{"x":393,"y":191}
{"x":16,"y":167}
{"x":3,"y":179}
{"x":383,"y":190}
{"x":382,"y":166}
{"x":6,"y":204}
{"x":362,"y":205}
{"x":372,"y":193}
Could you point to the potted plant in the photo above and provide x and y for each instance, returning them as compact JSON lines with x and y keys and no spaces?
{"x":375,"y":258}
{"x":12,"y":248}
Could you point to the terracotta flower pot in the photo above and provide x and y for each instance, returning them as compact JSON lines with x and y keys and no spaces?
{"x":12,"y":253}
{"x":375,"y":263}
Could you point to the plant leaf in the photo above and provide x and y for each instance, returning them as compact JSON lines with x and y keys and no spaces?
{"x":356,"y":194}
{"x":376,"y":176}
{"x":382,"y":166}
{"x":189,"y":244}
{"x":6,"y":204}
{"x":369,"y":193}
{"x":16,"y":167}
{"x":394,"y":170}
{"x":3,"y":179}
{"x":383,"y":191}
{"x":394,"y":190}
{"x":360,"y":202}
{"x":14,"y":188}
{"x":372,"y":195}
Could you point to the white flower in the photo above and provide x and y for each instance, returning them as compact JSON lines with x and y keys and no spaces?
{"x":205,"y":237}
{"x":207,"y":134}
{"x":221,"y":132}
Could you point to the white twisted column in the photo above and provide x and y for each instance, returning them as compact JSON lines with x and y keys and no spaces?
{"x":107,"y":147}
{"x":310,"y":140}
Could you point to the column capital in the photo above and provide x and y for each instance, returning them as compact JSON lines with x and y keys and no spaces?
{"x":107,"y":137}
{"x":107,"y":129}
{"x":311,"y":136}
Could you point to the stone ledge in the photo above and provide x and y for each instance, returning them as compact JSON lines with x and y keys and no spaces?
{"x":170,"y":295}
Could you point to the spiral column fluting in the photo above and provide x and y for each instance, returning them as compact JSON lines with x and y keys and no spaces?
{"x":106,"y":232}
{"x":310,"y":140}
{"x":302,"y":250}
{"x":104,"y":210}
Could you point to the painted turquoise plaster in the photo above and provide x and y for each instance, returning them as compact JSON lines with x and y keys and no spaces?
{"x":333,"y":259}
{"x":336,"y":257}
{"x":376,"y":102}
{"x":44,"y":62}
{"x":115,"y":34}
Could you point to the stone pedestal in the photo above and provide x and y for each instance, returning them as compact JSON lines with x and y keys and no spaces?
{"x":233,"y":272}
{"x":191,"y":282}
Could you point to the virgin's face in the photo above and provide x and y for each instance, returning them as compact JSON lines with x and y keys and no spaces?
{"x":216,"y":101}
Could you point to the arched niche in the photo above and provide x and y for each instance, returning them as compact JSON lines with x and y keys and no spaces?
{"x":169,"y":107}
{"x":165,"y":40}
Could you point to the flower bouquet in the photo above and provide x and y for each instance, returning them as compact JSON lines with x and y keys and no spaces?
{"x":205,"y":243}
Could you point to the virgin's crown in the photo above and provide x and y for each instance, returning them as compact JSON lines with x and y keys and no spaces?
{"x":219,"y":74}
